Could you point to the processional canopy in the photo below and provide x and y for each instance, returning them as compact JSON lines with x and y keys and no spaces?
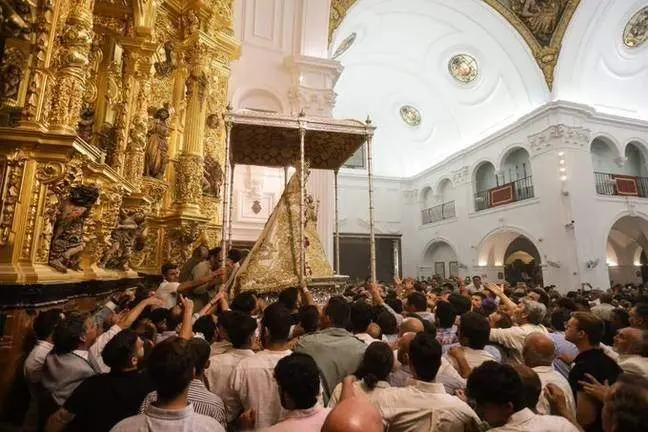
{"x":269,"y":139}
{"x":290,"y":234}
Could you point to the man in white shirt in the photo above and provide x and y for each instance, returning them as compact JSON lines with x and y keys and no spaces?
{"x":631,"y":345}
{"x":539,"y":354}
{"x":473,"y":333}
{"x":253,"y":378}
{"x":475,"y":286}
{"x":170,"y":288}
{"x":240,"y":332}
{"x":528,"y":316}
{"x":43,"y":326}
{"x":500,"y":399}
{"x":424,"y":404}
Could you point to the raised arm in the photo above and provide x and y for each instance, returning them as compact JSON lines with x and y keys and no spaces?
{"x":306,"y":296}
{"x":189,"y":285}
{"x":499,"y":292}
{"x":134,"y":313}
{"x":186,"y":331}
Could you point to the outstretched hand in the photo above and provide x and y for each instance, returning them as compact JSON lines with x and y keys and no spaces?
{"x":594,"y":388}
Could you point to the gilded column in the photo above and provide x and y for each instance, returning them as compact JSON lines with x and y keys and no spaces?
{"x":138,"y":79}
{"x":68,"y":92}
{"x":189,"y":167}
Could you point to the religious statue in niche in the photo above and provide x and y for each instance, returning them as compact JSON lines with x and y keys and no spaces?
{"x":156,"y":153}
{"x":540,"y":16}
{"x":86,"y":124}
{"x":10,"y":78}
{"x":166,"y":65}
{"x":212,"y":177}
{"x":107,"y":142}
{"x":127,"y":237}
{"x":67,"y":237}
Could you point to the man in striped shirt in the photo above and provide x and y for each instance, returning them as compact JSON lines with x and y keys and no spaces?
{"x":204,"y":402}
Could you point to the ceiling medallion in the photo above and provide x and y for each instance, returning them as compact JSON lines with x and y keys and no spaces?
{"x":410,"y":115}
{"x":345,"y":45}
{"x":463,"y":68}
{"x":636,"y":31}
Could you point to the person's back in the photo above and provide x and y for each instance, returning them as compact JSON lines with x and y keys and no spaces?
{"x":423,"y":405}
{"x":204,"y":402}
{"x":101,"y":401}
{"x":171,"y":368}
{"x":585,"y":330}
{"x":501,"y":399}
{"x":539,"y":354}
{"x":43,"y":326}
{"x":336,"y":351}
{"x":377,"y":364}
{"x":240,"y":329}
{"x":299,"y":387}
{"x":253,"y":379}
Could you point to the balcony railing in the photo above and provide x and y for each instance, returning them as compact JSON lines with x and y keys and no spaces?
{"x":518,"y":190}
{"x":438,"y":213}
{"x":620,"y":184}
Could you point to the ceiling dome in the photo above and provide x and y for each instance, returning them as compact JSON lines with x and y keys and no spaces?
{"x":460,"y":66}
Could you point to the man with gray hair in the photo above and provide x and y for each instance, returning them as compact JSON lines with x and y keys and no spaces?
{"x":528,"y":316}
{"x":539,"y":354}
{"x":632,"y":346}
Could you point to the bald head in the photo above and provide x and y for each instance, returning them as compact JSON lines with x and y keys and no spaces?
{"x":410,"y":325}
{"x":539,"y":350}
{"x":355,"y":414}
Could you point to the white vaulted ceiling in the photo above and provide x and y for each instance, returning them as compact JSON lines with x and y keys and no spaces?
{"x":401,"y":53}
{"x":400,"y":57}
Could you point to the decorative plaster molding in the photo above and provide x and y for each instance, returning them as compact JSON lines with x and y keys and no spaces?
{"x":461,"y":176}
{"x":559,"y":135}
{"x":312,"y":83}
{"x":410,"y":196}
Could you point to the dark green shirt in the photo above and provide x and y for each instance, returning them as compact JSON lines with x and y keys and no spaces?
{"x":337,"y":353}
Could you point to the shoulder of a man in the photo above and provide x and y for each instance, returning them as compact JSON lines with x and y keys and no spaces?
{"x":130,"y":424}
{"x":83,"y":394}
{"x":203,"y":423}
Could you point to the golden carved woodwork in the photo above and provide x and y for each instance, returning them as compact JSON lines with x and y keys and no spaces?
{"x":80,"y":81}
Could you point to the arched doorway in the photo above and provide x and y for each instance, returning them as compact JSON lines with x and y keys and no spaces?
{"x":439,"y":259}
{"x":627,"y":244}
{"x":522,"y":262}
{"x":510,"y":256}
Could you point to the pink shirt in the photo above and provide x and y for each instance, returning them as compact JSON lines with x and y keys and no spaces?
{"x":308,"y":420}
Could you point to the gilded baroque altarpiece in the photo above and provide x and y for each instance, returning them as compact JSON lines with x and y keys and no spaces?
{"x":111,"y":134}
{"x":111,"y":147}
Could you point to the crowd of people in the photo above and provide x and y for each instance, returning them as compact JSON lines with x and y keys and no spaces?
{"x":434,"y":355}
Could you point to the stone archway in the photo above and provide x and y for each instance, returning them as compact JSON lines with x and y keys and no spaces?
{"x":439,"y":258}
{"x":627,"y":242}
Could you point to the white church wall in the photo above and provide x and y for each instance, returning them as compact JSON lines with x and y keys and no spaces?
{"x":570,"y":253}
